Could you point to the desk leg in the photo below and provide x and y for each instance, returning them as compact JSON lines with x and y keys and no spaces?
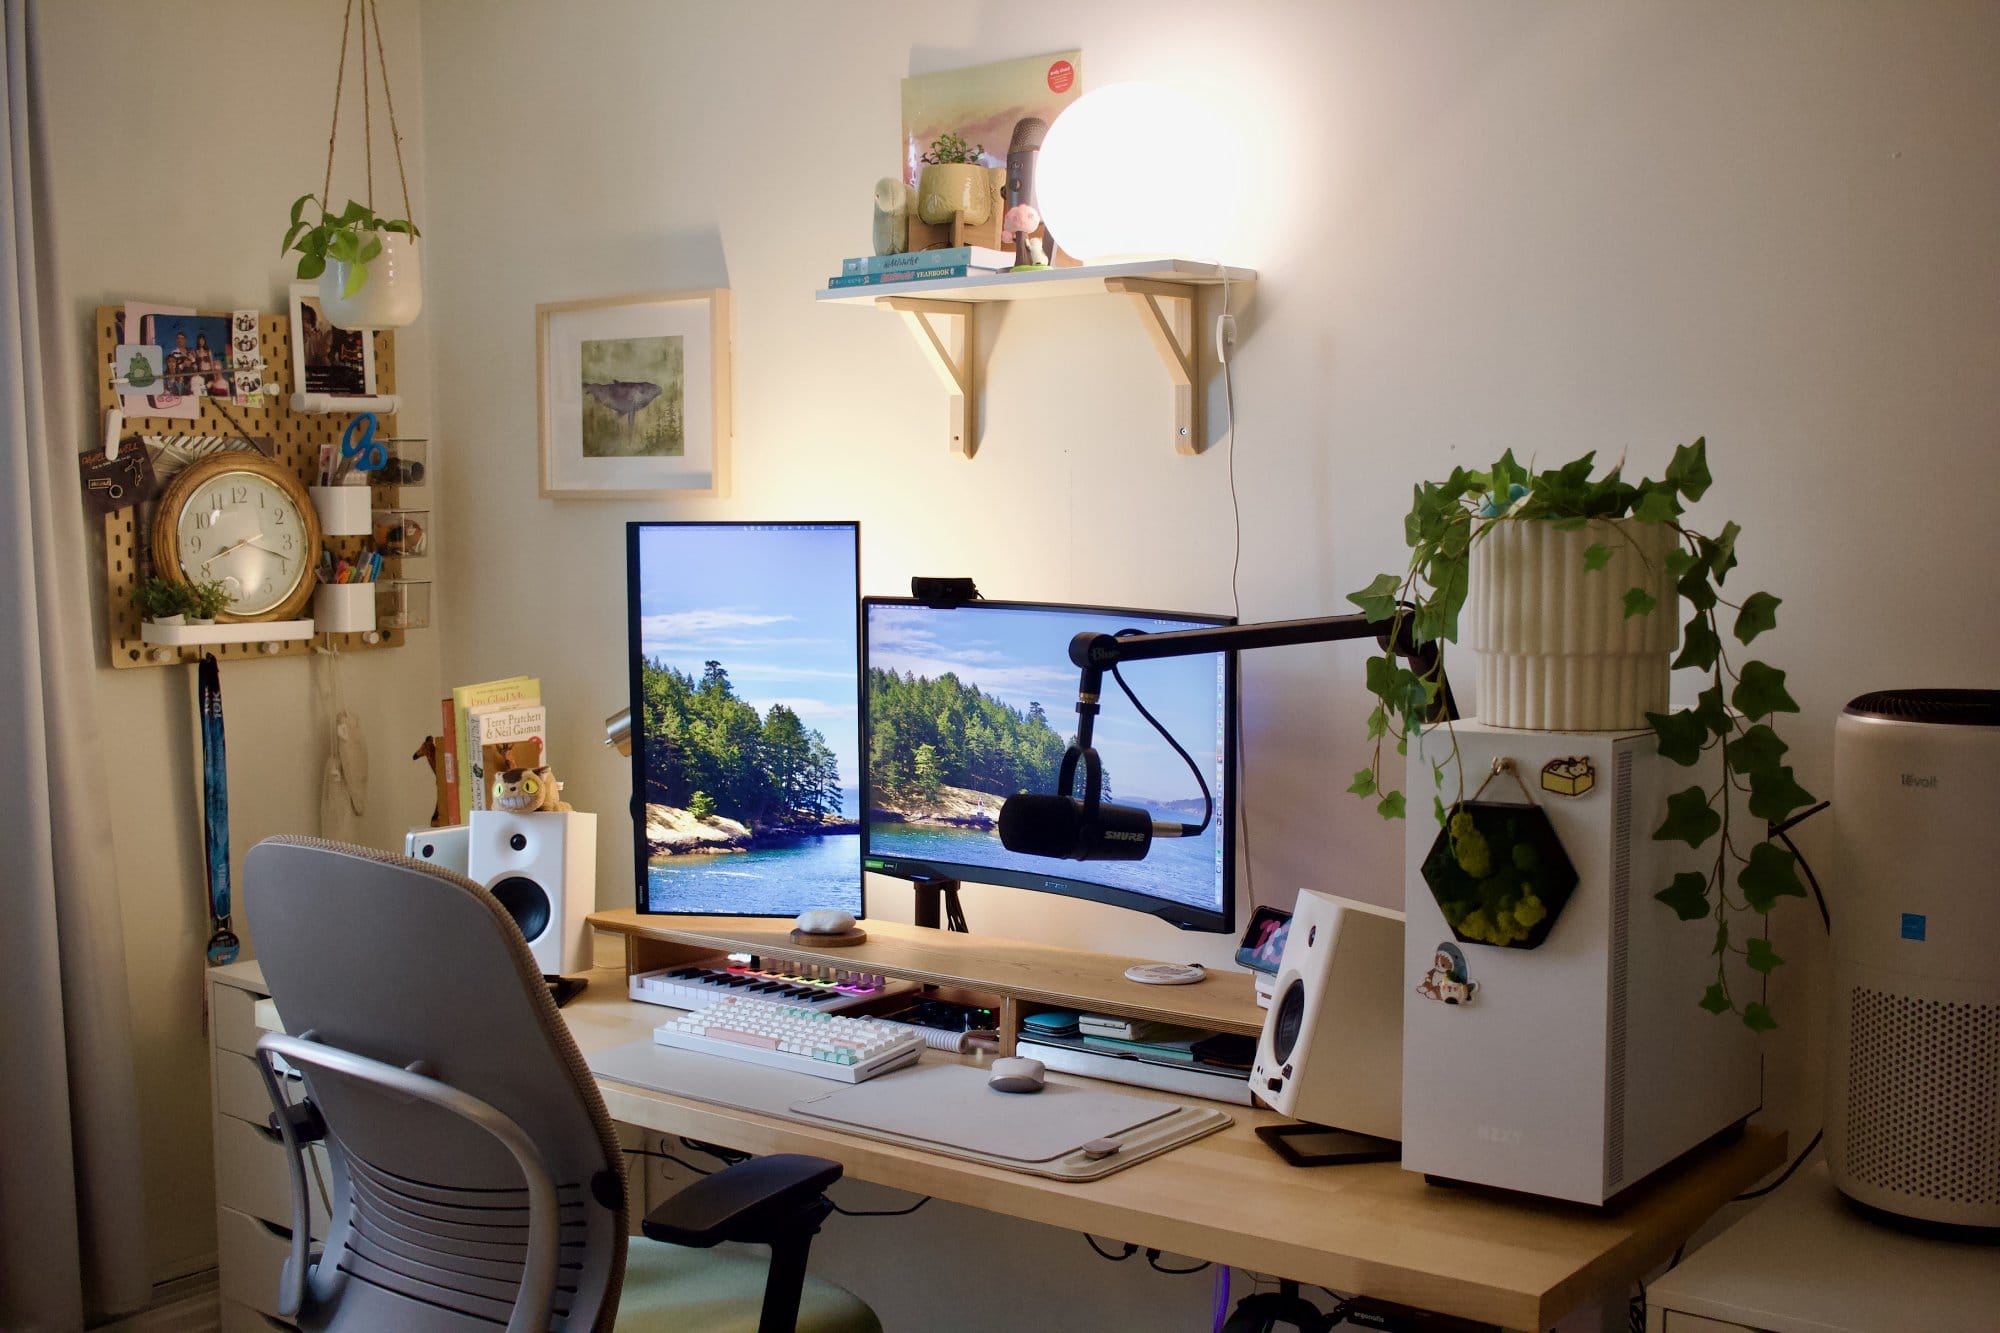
{"x":1010,"y":1024}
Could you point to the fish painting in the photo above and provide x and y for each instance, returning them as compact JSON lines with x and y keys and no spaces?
{"x":632,"y":397}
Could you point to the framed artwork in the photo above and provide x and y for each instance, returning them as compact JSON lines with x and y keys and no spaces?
{"x":983,"y":103}
{"x":339,"y":363}
{"x":635,"y":395}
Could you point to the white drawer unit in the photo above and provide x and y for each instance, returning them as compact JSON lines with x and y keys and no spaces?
{"x":253,"y":1188}
{"x":1805,"y":1262}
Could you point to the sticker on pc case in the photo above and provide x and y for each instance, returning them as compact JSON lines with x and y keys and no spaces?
{"x":1571,"y":776}
{"x":1448,"y":981}
{"x":1914,"y":924}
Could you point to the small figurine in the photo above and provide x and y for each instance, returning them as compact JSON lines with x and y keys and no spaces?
{"x":1447,"y":980}
{"x":522,"y":791}
{"x":1024,"y":221}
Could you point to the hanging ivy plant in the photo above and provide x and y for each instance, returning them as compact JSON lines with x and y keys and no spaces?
{"x":1734,"y":711}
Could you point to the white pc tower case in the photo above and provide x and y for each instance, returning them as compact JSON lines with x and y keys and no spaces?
{"x":1575,"y":1068}
{"x":1913,"y":1064}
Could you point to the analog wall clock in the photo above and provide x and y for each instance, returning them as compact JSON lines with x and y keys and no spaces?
{"x":246,"y":522}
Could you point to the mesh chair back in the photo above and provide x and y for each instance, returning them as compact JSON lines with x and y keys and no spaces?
{"x":401,"y":962}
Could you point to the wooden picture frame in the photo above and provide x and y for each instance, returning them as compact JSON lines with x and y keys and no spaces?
{"x":634,"y":395}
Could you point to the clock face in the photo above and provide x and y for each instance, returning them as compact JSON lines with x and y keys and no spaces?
{"x":245,"y":531}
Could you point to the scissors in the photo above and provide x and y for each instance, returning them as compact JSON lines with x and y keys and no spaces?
{"x":365,"y":453}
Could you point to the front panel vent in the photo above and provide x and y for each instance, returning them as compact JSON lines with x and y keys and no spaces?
{"x":1621,"y":947}
{"x":1923,"y":1097}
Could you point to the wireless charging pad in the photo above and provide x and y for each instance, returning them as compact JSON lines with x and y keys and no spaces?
{"x":1166,"y":974}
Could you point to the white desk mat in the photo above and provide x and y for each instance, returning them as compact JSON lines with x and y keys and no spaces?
{"x":951,"y":1106}
{"x":1153,"y":1127}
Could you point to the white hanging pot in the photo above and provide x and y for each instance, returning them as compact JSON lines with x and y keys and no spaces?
{"x":391,"y":298}
{"x":1556,"y":651}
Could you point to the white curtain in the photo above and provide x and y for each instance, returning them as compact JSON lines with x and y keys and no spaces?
{"x":72,"y":1217}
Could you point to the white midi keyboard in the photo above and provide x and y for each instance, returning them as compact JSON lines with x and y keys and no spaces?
{"x":789,"y":1036}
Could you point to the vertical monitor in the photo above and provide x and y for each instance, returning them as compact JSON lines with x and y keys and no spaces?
{"x":745,"y":661}
{"x":970,"y":704}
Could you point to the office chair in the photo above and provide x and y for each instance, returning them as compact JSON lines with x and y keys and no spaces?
{"x":476,"y":1179}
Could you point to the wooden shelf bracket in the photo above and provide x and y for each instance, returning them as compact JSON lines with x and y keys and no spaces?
{"x":1167,"y":311}
{"x":950,"y":353}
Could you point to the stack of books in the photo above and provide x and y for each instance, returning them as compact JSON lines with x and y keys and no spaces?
{"x":914,"y":266}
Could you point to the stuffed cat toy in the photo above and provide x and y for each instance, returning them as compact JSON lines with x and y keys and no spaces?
{"x":521,"y":791}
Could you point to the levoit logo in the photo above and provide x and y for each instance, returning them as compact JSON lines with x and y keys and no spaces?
{"x":1500,"y":1136}
{"x":1924,"y":781}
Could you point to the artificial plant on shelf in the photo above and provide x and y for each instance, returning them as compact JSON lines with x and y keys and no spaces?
{"x":952,"y":149}
{"x":352,"y":236}
{"x":162,"y":601}
{"x":1448,"y":519}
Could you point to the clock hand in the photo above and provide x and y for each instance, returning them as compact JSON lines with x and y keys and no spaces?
{"x":228,"y":550}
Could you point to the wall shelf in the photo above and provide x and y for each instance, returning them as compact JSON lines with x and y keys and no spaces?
{"x":235,"y":631}
{"x":938,"y":312}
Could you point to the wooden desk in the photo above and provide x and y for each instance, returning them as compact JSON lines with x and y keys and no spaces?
{"x":1373,"y":1229}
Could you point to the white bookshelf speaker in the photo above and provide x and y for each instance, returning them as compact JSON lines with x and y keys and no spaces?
{"x":445,"y":848}
{"x":543,"y":869}
{"x":1332,"y":1047}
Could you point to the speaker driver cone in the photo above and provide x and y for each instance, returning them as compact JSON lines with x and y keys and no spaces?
{"x":1291,"y":1012}
{"x":527,"y":902}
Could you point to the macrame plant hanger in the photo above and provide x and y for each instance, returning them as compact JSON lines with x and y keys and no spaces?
{"x":371,"y":17}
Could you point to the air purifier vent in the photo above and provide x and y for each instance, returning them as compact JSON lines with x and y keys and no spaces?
{"x":1924,"y":1097}
{"x":1961,"y":708}
{"x":1621,"y":952}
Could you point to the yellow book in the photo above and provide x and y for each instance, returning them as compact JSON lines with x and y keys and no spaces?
{"x":465,"y":698}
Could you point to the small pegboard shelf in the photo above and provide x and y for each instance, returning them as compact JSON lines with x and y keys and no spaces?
{"x":296,"y":439}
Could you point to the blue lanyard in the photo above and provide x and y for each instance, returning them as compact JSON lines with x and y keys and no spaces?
{"x":223,"y":944}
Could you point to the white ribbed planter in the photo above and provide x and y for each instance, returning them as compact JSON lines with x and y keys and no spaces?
{"x":1556,"y":652}
{"x":392,"y":297}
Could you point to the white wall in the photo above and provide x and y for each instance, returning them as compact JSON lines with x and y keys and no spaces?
{"x":181,"y":135}
{"x":1546,"y":226}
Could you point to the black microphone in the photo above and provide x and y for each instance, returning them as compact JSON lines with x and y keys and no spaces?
{"x":1060,"y":826}
{"x":1022,"y":152}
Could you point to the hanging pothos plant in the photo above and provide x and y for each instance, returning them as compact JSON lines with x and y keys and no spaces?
{"x":1734,"y":712}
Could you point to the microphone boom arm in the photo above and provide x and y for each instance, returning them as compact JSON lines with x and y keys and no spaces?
{"x":1095,"y":653}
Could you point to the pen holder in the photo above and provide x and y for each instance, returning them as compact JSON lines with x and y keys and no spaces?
{"x":343,"y":510}
{"x":404,"y":532}
{"x":344,"y":608}
{"x":402,"y":603}
{"x":408,"y":463}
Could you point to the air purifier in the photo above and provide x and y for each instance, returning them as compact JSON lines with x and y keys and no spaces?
{"x":1913,"y":1064}
{"x":1575,"y":1067}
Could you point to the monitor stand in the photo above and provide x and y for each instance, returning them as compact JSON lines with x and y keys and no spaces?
{"x":937,"y":902}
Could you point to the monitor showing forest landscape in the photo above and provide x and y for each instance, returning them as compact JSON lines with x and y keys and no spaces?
{"x":968,"y":705}
{"x":745,"y":658}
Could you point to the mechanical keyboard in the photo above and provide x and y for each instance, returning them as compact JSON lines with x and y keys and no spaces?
{"x":817,"y":986}
{"x":791,"y":1036}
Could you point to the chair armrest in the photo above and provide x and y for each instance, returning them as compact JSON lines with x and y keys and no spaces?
{"x":751,"y":1201}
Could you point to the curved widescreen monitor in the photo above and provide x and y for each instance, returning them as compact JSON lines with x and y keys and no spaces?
{"x":745,"y":662}
{"x":967,"y":705}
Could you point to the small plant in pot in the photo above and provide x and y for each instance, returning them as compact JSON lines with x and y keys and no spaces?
{"x":1620,"y":556}
{"x":953,"y":183}
{"x":367,"y":266}
{"x":206,"y":600}
{"x":162,"y":601}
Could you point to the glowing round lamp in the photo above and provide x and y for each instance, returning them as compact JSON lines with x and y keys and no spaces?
{"x":1136,"y":171}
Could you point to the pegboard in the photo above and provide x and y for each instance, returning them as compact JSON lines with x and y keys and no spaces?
{"x":296,"y":438}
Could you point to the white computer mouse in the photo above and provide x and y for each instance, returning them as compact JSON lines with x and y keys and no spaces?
{"x":1016,"y":1073}
{"x":825,"y":921}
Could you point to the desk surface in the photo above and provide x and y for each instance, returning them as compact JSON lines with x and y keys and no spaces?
{"x":1376,"y":1228}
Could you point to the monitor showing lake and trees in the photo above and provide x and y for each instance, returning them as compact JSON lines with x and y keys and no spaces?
{"x":971,"y":704}
{"x":745,"y":663}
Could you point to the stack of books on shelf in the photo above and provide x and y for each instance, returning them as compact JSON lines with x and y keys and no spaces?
{"x":1141,"y":1052}
{"x":963,"y":261}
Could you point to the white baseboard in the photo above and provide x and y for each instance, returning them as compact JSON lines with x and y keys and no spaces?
{"x":191,"y":1304}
